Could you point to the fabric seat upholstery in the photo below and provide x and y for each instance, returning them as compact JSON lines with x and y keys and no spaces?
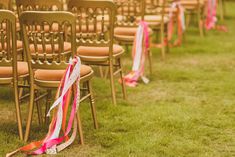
{"x":22,"y":69}
{"x":155,"y":19}
{"x":127,"y":33}
{"x":98,"y":51}
{"x":56,"y":75}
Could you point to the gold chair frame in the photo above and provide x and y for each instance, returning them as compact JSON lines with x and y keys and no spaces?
{"x":55,"y":61}
{"x":159,"y":8}
{"x":8,"y":58}
{"x":101,"y":38}
{"x":198,"y":8}
{"x":129,"y":13}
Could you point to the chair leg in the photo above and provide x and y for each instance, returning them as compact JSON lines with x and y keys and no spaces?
{"x":163,"y":50}
{"x":166,"y":39}
{"x":122,"y":80}
{"x":188,"y":19}
{"x":92,"y":103}
{"x":48,"y":103}
{"x":80,"y":128}
{"x":30,"y":113}
{"x":221,"y":10}
{"x":39,"y":109}
{"x":101,"y":72}
{"x":200,"y":24}
{"x":112,"y":83}
{"x":18,"y":113}
{"x":150,"y":62}
{"x":106,"y":73}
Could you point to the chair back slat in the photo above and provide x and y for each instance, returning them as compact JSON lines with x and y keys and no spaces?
{"x":44,"y":38}
{"x":7,"y":38}
{"x":95,"y":22}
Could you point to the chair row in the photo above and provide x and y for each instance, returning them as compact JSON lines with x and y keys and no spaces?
{"x":40,"y":47}
{"x":49,"y":40}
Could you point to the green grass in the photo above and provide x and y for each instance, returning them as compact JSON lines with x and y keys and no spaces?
{"x":188,"y":109}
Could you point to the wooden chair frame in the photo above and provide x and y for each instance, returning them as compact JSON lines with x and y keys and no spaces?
{"x":159,"y":8}
{"x":54,"y":61}
{"x":199,"y":10}
{"x":129,"y":13}
{"x":8,"y":58}
{"x":103,"y":38}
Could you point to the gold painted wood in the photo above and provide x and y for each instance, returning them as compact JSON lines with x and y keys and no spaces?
{"x":95,"y":28}
{"x":8,"y":57}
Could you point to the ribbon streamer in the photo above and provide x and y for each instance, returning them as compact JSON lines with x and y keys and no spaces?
{"x":52,"y":143}
{"x":211,"y":14}
{"x":180,"y":21}
{"x":139,"y":53}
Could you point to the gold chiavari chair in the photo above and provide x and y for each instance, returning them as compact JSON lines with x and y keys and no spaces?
{"x":157,"y":16}
{"x":11,"y":71}
{"x":196,"y":7}
{"x":95,"y":37}
{"x":8,"y":5}
{"x":48,"y":57}
{"x":129,"y":13}
{"x":42,"y":5}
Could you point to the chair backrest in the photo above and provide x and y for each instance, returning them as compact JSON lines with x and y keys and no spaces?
{"x":157,"y":7}
{"x":129,"y":12}
{"x":39,"y":5}
{"x":8,"y":54}
{"x":95,"y":22}
{"x":46,"y":49}
{"x":6,"y":4}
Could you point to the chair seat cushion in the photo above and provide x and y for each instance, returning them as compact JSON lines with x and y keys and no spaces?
{"x":48,"y":48}
{"x":22,"y":69}
{"x":155,"y":19}
{"x":56,"y":75}
{"x":127,"y":33}
{"x":98,"y":51}
{"x":19,"y":45}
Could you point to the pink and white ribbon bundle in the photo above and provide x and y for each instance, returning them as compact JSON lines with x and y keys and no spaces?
{"x":180,"y":20}
{"x":57,"y":137}
{"x":139,"y":53}
{"x":211,"y":14}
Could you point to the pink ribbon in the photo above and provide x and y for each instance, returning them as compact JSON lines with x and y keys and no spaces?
{"x":70,"y":79}
{"x":211,"y":14}
{"x":180,"y":18}
{"x":139,"y":52}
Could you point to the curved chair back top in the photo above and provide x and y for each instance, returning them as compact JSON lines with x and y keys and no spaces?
{"x":38,"y":5}
{"x":46,"y":40}
{"x":95,"y":22}
{"x":7,"y":38}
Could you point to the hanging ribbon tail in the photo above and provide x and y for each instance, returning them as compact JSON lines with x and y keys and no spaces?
{"x":139,"y":53}
{"x":53,"y":142}
{"x":211,"y":19}
{"x":180,"y":23}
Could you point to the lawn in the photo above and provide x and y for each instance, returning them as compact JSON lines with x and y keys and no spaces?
{"x":188,"y":108}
